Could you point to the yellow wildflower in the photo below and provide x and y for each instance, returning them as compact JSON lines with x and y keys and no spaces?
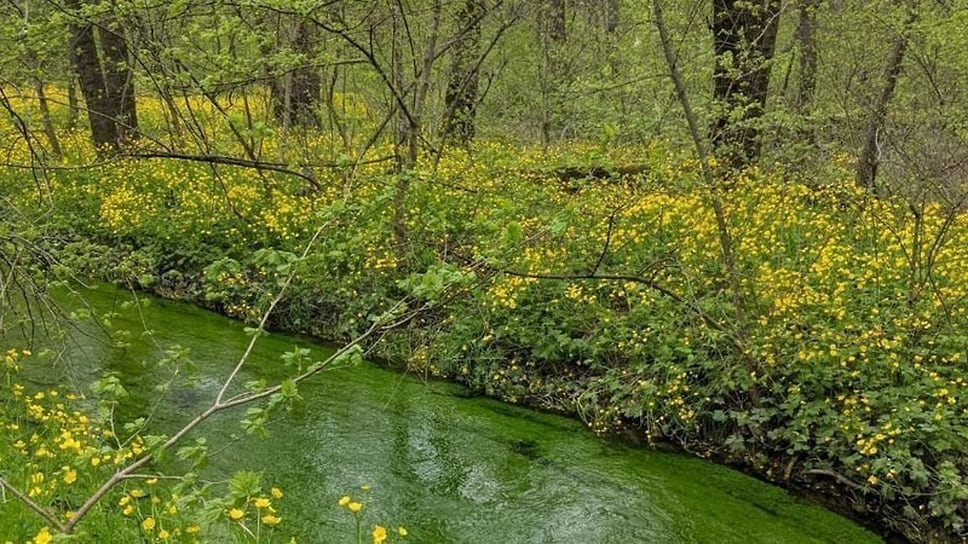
{"x":148,"y":524}
{"x":236,"y":514}
{"x":354,"y":507}
{"x":379,"y":534}
{"x":43,"y":537}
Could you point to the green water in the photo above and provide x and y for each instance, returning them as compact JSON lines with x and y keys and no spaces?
{"x":448,"y":467}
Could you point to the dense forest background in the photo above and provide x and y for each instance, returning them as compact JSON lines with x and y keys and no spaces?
{"x":733,"y":226}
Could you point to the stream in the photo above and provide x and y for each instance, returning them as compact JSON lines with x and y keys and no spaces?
{"x":449,"y":466}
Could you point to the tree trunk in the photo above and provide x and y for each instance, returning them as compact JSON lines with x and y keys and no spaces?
{"x":109,"y":91}
{"x":554,"y":32}
{"x":556,"y":20}
{"x":49,"y":131}
{"x":460,"y":98}
{"x":297,"y":92}
{"x":869,"y":160}
{"x":807,"y":36}
{"x":407,"y":147}
{"x":104,"y":131}
{"x":72,"y":104}
{"x":118,"y":79}
{"x":611,"y":15}
{"x":744,"y":40}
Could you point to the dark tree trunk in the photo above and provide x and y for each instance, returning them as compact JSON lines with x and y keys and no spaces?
{"x":109,"y":90}
{"x":84,"y":57}
{"x":555,"y":14}
{"x":807,"y":36}
{"x":744,"y":40}
{"x":552,"y":17}
{"x":118,"y":79}
{"x":611,"y":15}
{"x":296,"y":93}
{"x":460,"y":98}
{"x":869,"y":160}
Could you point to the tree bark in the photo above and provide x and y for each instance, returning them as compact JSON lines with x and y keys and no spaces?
{"x":611,"y":15}
{"x":869,"y":160}
{"x":84,"y":57}
{"x":553,"y":18}
{"x":48,"y":124}
{"x":744,"y":40}
{"x":460,"y":99}
{"x":72,"y":104}
{"x":555,"y":13}
{"x":118,"y":78}
{"x":296,"y":93}
{"x":109,"y":90}
{"x":807,"y":36}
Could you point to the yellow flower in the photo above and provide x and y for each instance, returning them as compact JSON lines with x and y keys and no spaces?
{"x":276,"y":493}
{"x":151,"y":481}
{"x":365,"y":487}
{"x":236,"y":514}
{"x":43,"y":537}
{"x":261,"y":503}
{"x":193,"y":530}
{"x":344,"y":501}
{"x":137,"y":493}
{"x":163,"y":534}
{"x":379,"y":534}
{"x":128,"y":510}
{"x":148,"y":524}
{"x":402,"y":531}
{"x":70,"y":476}
{"x":271,"y":520}
{"x":354,"y":507}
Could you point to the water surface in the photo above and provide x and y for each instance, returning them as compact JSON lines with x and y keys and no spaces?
{"x":448,"y":467}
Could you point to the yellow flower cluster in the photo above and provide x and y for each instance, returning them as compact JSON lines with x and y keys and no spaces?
{"x":379,"y":533}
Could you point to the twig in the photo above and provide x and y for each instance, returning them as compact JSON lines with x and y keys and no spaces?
{"x":22,"y":497}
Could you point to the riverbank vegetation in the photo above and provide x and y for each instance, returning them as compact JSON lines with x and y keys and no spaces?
{"x":542,"y":201}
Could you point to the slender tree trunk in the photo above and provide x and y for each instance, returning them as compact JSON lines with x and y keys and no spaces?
{"x":460,"y":99}
{"x":553,"y":19}
{"x":726,"y":241}
{"x":49,"y":131}
{"x":869,"y":160}
{"x":807,"y":36}
{"x":556,"y":15}
{"x":744,"y":40}
{"x":72,"y":104}
{"x":611,"y":15}
{"x":410,"y":122}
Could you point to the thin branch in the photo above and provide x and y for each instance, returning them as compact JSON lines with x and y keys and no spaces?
{"x":43,"y":512}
